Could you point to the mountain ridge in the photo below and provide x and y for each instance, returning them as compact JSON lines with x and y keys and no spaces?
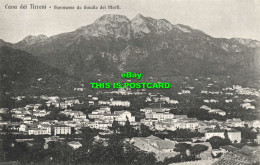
{"x":113,"y":44}
{"x":22,"y":73}
{"x":137,"y":16}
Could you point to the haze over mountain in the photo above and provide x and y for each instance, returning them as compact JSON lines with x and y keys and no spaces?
{"x":114,"y":44}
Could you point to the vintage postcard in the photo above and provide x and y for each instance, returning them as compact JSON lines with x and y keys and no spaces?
{"x":130,"y":82}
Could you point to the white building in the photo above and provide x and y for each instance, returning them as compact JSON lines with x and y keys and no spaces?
{"x":149,"y":122}
{"x":100,"y":124}
{"x":205,"y":92}
{"x":187,"y":124}
{"x":185,"y":91}
{"x":235,"y":122}
{"x":159,"y":115}
{"x":75,"y":144}
{"x":247,"y":106}
{"x":38,"y":131}
{"x":102,"y":102}
{"x":164,"y":98}
{"x":95,"y":98}
{"x":161,"y":126}
{"x":248,"y":100}
{"x":3,"y":110}
{"x":149,"y":110}
{"x":91,"y":102}
{"x":79,"y":89}
{"x":256,"y":124}
{"x":62,"y":130}
{"x":218,"y":111}
{"x":99,"y":113}
{"x":22,"y":128}
{"x":205,"y":107}
{"x":40,"y":113}
{"x":120,"y":103}
{"x":173,"y":102}
{"x":233,"y":135}
{"x":95,"y":116}
{"x":123,"y":116}
{"x":46,"y":127}
{"x":228,"y":101}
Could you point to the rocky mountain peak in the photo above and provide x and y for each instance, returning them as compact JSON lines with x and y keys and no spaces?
{"x":120,"y":26}
{"x":30,"y":39}
{"x":164,"y":24}
{"x":114,"y":43}
{"x":117,"y":26}
{"x":144,"y":25}
{"x":111,"y":18}
{"x":247,"y":42}
{"x":139,"y":16}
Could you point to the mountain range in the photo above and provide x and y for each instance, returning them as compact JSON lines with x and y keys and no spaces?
{"x":154,"y":47}
{"x":22,"y":73}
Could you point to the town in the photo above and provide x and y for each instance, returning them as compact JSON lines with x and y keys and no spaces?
{"x":210,"y":125}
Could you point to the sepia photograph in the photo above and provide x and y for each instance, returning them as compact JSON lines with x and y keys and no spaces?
{"x":130,"y":82}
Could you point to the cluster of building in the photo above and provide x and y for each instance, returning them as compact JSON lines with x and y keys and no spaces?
{"x":247,"y":106}
{"x":233,"y":135}
{"x":48,"y":128}
{"x":215,"y":111}
{"x":161,"y":148}
{"x":110,"y":102}
{"x":75,"y":115}
{"x":103,"y":118}
{"x":63,"y":104}
{"x":163,"y":99}
{"x":127,"y":91}
{"x":211,"y":92}
{"x":246,"y":91}
{"x":210,"y":101}
{"x":29,"y":114}
{"x":184,"y":92}
{"x":156,"y":118}
{"x":165,"y":148}
{"x":159,"y":119}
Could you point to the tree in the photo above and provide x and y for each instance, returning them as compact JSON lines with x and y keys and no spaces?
{"x":185,"y":133}
{"x":127,"y":127}
{"x":55,"y":115}
{"x":115,"y":126}
{"x":217,"y":141}
{"x":144,"y":131}
{"x":88,"y":135}
{"x":217,"y":127}
{"x":217,"y":156}
{"x":182,"y":148}
{"x":57,"y":152}
{"x":247,"y":133}
{"x":226,"y":134}
{"x":227,"y":140}
{"x":117,"y":152}
{"x":175,"y":159}
{"x":198,"y":148}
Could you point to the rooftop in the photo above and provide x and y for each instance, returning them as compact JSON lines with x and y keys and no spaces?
{"x":164,"y":144}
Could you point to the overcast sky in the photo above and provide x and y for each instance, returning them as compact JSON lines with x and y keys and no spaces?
{"x":218,"y":18}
